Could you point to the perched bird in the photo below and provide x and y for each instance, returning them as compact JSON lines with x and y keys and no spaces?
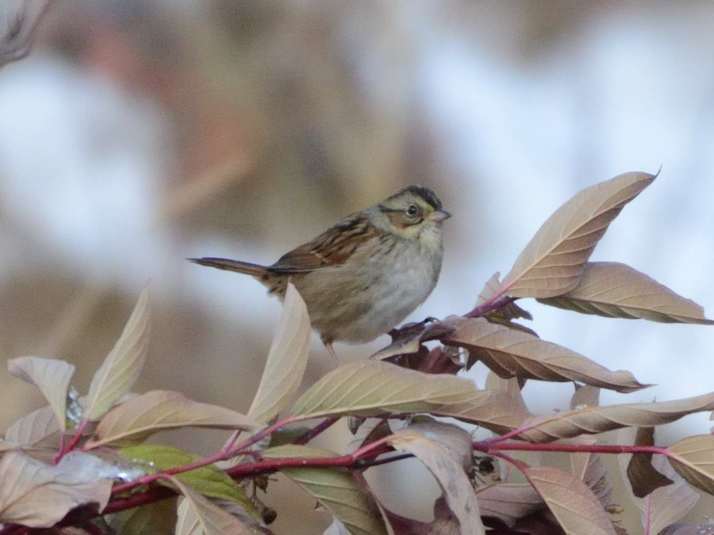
{"x":364,"y":275}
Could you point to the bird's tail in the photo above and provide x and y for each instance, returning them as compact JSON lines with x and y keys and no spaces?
{"x":256,"y":270}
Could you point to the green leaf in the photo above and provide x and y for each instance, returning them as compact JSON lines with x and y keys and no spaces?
{"x":122,"y":367}
{"x":335,"y":489}
{"x":154,"y":519}
{"x":370,"y":388}
{"x":208,"y":480}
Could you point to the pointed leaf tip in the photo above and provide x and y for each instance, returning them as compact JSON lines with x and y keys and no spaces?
{"x":287,"y":359}
{"x":123,"y":365}
{"x":553,"y":261}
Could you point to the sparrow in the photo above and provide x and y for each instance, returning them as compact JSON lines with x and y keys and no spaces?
{"x":364,"y":275}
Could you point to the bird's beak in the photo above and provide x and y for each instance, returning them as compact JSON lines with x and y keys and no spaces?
{"x":439,"y":215}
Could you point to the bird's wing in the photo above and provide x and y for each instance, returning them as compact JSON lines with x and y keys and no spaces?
{"x":331,"y":248}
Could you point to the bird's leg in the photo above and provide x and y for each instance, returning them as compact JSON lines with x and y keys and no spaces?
{"x":330,"y":349}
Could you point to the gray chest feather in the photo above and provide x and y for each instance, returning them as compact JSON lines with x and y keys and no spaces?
{"x":371,"y":293}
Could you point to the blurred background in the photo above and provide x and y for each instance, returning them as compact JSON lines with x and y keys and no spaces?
{"x":137,"y":134}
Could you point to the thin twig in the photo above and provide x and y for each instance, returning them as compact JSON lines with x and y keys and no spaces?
{"x":315,"y":431}
{"x":221,"y":455}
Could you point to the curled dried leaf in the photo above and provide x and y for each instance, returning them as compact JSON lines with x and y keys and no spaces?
{"x":643,"y":477}
{"x":287,"y":359}
{"x":509,"y":502}
{"x":574,"y":505}
{"x":512,"y":353}
{"x":593,"y":420}
{"x":442,"y":448}
{"x":491,"y":292}
{"x":51,"y":376}
{"x":616,"y":290}
{"x":410,"y":338}
{"x":553,"y":261}
{"x":669,"y":504}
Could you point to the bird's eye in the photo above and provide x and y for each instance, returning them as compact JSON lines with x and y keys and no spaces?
{"x":413,"y":210}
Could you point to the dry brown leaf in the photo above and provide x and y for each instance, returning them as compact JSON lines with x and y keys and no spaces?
{"x":36,"y":494}
{"x":512,"y":387}
{"x":340,"y":492}
{"x":442,"y":454}
{"x":574,"y":505}
{"x":664,"y":505}
{"x":498,"y":412}
{"x":161,"y":410}
{"x":33,"y":428}
{"x":585,"y":396}
{"x":693,"y":459}
{"x":510,"y":353}
{"x":643,"y":477}
{"x":410,"y":338}
{"x":667,"y":505}
{"x":287,"y":359}
{"x":596,"y":477}
{"x":593,"y":420}
{"x":705,"y":528}
{"x":370,"y":388}
{"x":616,"y":290}
{"x":198,"y":516}
{"x":122,"y":367}
{"x":553,"y":261}
{"x":502,"y":410}
{"x":51,"y":376}
{"x":509,"y":502}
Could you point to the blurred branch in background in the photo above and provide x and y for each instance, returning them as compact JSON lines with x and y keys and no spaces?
{"x":18,"y":21}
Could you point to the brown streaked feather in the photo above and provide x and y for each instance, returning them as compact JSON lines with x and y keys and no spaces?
{"x":331,"y":248}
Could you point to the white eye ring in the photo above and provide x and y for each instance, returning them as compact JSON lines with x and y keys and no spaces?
{"x":413,"y":210}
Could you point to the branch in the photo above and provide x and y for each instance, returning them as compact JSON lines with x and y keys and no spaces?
{"x":222,"y":455}
{"x":324,"y":425}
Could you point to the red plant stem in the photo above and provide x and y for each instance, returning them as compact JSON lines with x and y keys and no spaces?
{"x":154,"y":494}
{"x":521,"y":465}
{"x":14,"y":529}
{"x":66,"y":448}
{"x":315,"y":431}
{"x":362,"y":458}
{"x":221,"y":455}
{"x":567,"y":448}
